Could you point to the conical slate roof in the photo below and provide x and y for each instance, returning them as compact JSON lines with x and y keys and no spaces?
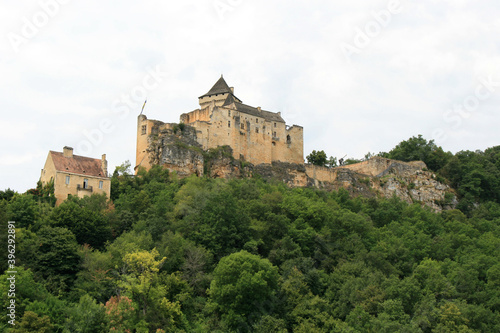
{"x":220,"y":87}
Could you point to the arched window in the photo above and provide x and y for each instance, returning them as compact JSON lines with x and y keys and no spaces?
{"x":288,"y":139}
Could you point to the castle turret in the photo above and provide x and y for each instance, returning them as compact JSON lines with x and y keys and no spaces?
{"x":218,"y":94}
{"x":143,"y":130}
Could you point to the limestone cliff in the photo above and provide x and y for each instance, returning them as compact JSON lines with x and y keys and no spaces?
{"x":383,"y":177}
{"x":176,"y":148}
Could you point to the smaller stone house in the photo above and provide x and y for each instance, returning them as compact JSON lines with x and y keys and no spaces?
{"x":75,"y":175}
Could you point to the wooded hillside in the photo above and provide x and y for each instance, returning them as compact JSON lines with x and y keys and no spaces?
{"x":211,"y":255}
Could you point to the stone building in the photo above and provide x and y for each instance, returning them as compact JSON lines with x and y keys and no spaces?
{"x":255,"y":135}
{"x":75,"y":175}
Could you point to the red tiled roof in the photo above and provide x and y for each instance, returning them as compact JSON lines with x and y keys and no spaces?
{"x":77,"y":164}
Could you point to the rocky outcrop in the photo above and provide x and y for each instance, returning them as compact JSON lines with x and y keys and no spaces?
{"x":176,"y":148}
{"x":412,"y":183}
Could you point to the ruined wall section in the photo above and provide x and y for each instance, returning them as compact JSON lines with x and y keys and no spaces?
{"x":376,"y":166}
{"x":321,"y":174}
{"x":196,"y":115}
{"x":384,"y":177}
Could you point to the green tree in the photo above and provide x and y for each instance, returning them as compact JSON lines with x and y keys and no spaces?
{"x":419,"y":149}
{"x":27,"y":291}
{"x":7,"y":194}
{"x":243,"y":288}
{"x":269,"y":324}
{"x":44,"y":193}
{"x":222,"y":227}
{"x":140,"y":276}
{"x":332,"y":162}
{"x":451,"y":319}
{"x":87,"y":317}
{"x":317,"y":158}
{"x":142,"y":282}
{"x":32,"y":323}
{"x":475,"y":175}
{"x":96,"y":276}
{"x":88,"y":225}
{"x":54,"y":308}
{"x":23,"y":210}
{"x":57,"y":258}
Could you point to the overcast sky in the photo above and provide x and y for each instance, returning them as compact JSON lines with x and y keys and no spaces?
{"x":359,"y":76}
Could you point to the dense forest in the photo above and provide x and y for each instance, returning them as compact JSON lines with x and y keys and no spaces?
{"x":165,"y":254}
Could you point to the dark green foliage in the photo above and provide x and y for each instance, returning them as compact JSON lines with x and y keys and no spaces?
{"x":27,"y":290}
{"x":85,"y":219}
{"x":57,"y":260}
{"x":317,"y":158}
{"x":22,"y":209}
{"x":475,"y":175}
{"x":243,"y":288}
{"x":351,"y":161}
{"x":178,"y":127}
{"x":44,"y":193}
{"x":213,"y":255}
{"x":419,"y":149}
{"x":32,"y":323}
{"x":7,"y":194}
{"x":52,"y":307}
{"x":87,"y":317}
{"x":222,"y":228}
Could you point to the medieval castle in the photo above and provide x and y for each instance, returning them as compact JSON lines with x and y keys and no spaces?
{"x":225,"y":138}
{"x":255,"y":135}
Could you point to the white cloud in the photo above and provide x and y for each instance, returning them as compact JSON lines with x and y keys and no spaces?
{"x":283,"y":56}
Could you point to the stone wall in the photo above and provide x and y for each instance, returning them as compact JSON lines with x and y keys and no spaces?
{"x":253,"y":138}
{"x":178,"y":149}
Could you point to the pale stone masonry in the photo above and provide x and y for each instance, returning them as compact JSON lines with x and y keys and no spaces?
{"x":76,"y":175}
{"x":274,"y":150}
{"x":255,"y":135}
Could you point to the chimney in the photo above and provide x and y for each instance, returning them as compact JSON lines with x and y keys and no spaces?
{"x":232,"y":89}
{"x":104,"y":165}
{"x":258,"y":108}
{"x":68,"y":152}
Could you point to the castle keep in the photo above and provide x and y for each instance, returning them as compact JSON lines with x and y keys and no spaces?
{"x":254,"y":135}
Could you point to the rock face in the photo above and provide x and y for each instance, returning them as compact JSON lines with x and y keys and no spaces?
{"x":178,"y":150}
{"x":411,"y":183}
